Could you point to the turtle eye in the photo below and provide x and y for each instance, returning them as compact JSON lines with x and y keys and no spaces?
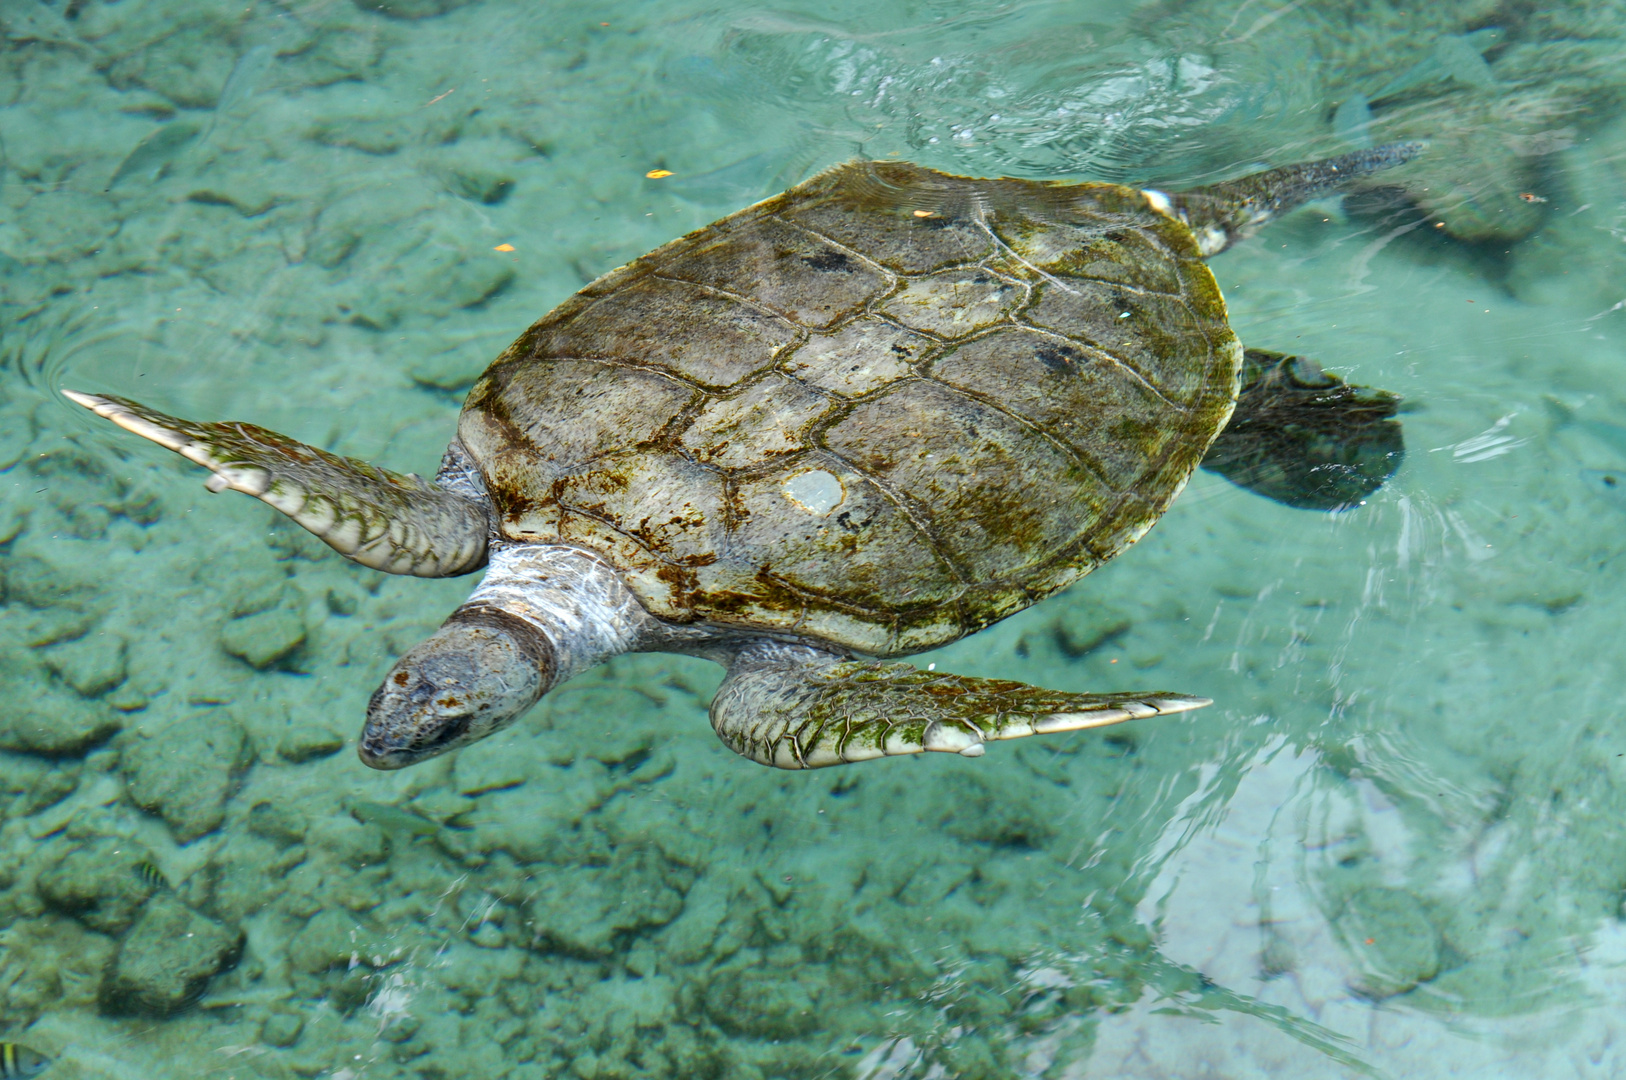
{"x":443,"y":735}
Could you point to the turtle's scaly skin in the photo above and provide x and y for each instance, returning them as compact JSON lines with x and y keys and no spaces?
{"x":883,"y":409}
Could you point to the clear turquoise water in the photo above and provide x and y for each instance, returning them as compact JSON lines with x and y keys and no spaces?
{"x":1393,"y":847}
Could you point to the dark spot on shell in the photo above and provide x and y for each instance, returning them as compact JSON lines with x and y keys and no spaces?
{"x":898,"y":349}
{"x":1058,"y":358}
{"x":400,"y":678}
{"x":845,"y":520}
{"x":829,"y":260}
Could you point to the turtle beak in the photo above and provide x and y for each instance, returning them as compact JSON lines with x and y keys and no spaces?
{"x":473,"y":677}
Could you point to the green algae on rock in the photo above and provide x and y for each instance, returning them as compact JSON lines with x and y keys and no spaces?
{"x":166,"y":960}
{"x":185,"y":772}
{"x":1389,"y":932}
{"x":98,"y":883}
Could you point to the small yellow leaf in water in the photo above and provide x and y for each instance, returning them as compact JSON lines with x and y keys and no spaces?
{"x":503,"y":247}
{"x":658,"y":174}
{"x":924,"y":213}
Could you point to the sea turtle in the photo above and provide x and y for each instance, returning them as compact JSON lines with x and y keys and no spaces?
{"x":857,"y":420}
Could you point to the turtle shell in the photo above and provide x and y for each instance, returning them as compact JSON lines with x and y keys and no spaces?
{"x":883,"y":409}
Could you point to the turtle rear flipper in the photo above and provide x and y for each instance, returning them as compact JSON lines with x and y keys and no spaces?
{"x":1221,"y":214}
{"x":1306,"y":438}
{"x":794,"y":707}
{"x":389,"y":521}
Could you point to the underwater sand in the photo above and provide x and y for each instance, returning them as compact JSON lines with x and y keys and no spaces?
{"x":1395,"y":846}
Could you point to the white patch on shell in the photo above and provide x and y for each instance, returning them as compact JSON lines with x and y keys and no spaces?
{"x":816,"y":491}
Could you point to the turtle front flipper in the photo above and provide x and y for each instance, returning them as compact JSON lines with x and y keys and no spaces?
{"x":389,"y":521}
{"x":1306,"y":438}
{"x":794,"y":707}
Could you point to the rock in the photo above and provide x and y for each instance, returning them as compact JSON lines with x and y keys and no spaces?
{"x":410,"y":9}
{"x":479,"y":169}
{"x":264,"y":638}
{"x":93,"y":665}
{"x":126,"y":698}
{"x":335,"y":939}
{"x":290,"y":542}
{"x":59,"y":226}
{"x":48,"y":789}
{"x":188,"y":65}
{"x":450,"y":371}
{"x":338,"y":57}
{"x":423,"y":261}
{"x":1080,"y":630}
{"x":282,"y":1029}
{"x":333,"y":245}
{"x":767,"y":1003}
{"x":99,"y":883}
{"x":54,"y":724}
{"x":53,"y":964}
{"x":278,"y":824}
{"x":488,"y":936}
{"x":689,"y":937}
{"x":39,"y":584}
{"x":307,"y":742}
{"x":638,"y":1003}
{"x":63,"y":607}
{"x":342,"y":604}
{"x":166,"y":960}
{"x":587,"y":911}
{"x":1392,"y":939}
{"x":86,"y":493}
{"x":977,"y":810}
{"x":185,"y":772}
{"x":350,"y":841}
{"x":16,"y":434}
{"x":59,"y":624}
{"x":496,"y":765}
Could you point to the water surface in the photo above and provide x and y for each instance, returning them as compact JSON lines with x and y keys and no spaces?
{"x":1392,"y":847}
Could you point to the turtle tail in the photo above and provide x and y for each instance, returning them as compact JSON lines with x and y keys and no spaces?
{"x":1221,"y":214}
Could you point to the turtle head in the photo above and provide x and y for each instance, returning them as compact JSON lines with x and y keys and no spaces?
{"x":480,"y":671}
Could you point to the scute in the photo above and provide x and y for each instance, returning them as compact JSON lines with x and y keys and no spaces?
{"x":885,"y":408}
{"x":862,"y":356}
{"x":767,"y":419}
{"x":865,"y":552}
{"x":785,"y":269}
{"x":955,"y":303}
{"x":560,"y":414}
{"x":1099,"y":252}
{"x":695,"y":333}
{"x":1159,"y":338}
{"x":1078,"y":396}
{"x":655,"y":515}
{"x":905,"y":218}
{"x":997,"y":495}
